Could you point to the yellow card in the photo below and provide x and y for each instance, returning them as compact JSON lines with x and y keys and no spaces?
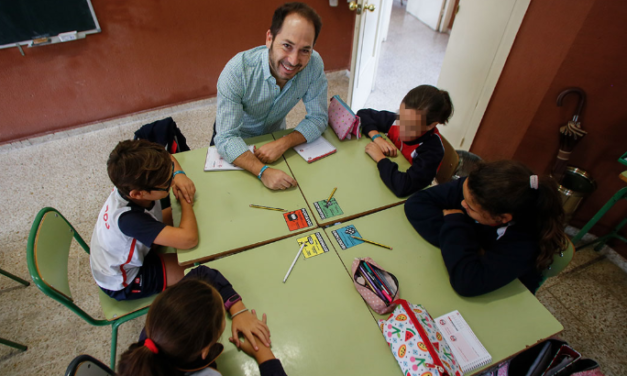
{"x":314,"y":245}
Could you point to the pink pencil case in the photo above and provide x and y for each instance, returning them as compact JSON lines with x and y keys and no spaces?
{"x":343,"y":120}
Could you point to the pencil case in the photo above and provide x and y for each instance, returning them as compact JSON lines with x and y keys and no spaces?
{"x":375,"y":285}
{"x":343,"y":120}
{"x":416,"y":342}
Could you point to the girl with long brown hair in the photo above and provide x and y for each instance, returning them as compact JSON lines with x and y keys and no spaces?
{"x":500,"y":223}
{"x":183,"y":327}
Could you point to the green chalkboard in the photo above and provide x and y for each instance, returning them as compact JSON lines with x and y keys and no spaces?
{"x":25,"y":20}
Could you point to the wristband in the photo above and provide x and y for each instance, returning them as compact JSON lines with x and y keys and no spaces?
{"x":261,"y":172}
{"x":375,"y":136}
{"x":232,"y":300}
{"x":178,"y":172}
{"x":238,"y":312}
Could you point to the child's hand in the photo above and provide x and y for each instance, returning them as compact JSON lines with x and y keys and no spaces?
{"x":262,"y":354}
{"x":184,"y":187}
{"x":248,"y":324}
{"x":374,"y":151}
{"x":386,"y":147}
{"x":451,"y":211}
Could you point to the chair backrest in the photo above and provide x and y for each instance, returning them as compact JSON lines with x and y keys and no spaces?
{"x":449,"y":163}
{"x":560,"y":261}
{"x":47,"y":254}
{"x":87,"y":365}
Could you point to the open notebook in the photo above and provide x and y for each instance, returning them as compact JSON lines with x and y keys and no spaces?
{"x":315,"y":150}
{"x":466,"y":348}
{"x":214,"y":161}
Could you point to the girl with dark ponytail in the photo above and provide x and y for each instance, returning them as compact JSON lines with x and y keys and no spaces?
{"x":415,"y":136}
{"x":182,"y":330}
{"x":500,"y":223}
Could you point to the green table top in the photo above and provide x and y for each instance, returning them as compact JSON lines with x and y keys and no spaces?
{"x":319,"y":323}
{"x":226,"y":223}
{"x":506,"y":321}
{"x":360,"y":190}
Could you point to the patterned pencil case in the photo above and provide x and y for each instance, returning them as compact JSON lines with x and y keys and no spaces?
{"x":375,"y":285}
{"x":343,"y":120}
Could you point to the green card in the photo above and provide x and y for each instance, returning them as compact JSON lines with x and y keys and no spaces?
{"x":328,"y":211}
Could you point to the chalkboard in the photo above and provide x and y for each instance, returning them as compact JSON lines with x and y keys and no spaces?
{"x":22,"y":21}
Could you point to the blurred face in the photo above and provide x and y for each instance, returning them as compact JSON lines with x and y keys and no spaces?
{"x":412,"y":123}
{"x":476,"y":212}
{"x":291,"y":48}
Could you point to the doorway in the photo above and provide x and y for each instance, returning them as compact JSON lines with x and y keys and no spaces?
{"x":411,"y":55}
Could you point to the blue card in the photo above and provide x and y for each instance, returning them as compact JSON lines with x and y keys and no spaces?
{"x":343,"y":236}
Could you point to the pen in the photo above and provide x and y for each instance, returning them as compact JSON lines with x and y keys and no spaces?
{"x":375,"y":278}
{"x":267,"y":208}
{"x":372,"y":283}
{"x":331,"y":196}
{"x":294,"y":262}
{"x":382,"y":278}
{"x":371,"y":242}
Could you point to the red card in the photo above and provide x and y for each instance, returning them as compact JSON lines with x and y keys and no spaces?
{"x":297,"y":219}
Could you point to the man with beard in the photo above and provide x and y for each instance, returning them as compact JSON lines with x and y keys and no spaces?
{"x":258,"y":87}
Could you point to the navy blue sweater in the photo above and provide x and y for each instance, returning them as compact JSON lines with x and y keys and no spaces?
{"x":425,"y":163}
{"x":479,"y":258}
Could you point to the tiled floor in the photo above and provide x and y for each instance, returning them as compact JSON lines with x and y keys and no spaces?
{"x":67,"y":171}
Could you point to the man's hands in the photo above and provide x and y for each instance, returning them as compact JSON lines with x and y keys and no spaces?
{"x":277,"y":179}
{"x":271,"y":151}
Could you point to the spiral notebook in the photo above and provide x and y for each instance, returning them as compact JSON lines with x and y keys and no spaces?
{"x":466,"y":347}
{"x":315,"y":150}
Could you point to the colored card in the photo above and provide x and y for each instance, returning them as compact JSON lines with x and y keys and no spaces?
{"x":328,"y":211}
{"x":343,"y":236}
{"x":297,"y":219}
{"x":314,"y":245}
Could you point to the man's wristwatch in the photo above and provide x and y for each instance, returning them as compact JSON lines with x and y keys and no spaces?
{"x":232,"y":300}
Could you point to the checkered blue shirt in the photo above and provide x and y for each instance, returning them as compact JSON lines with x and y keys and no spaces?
{"x":250,"y":103}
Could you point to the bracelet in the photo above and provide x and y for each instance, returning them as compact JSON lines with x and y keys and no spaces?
{"x":178,"y":172}
{"x":261,"y":172}
{"x":237,"y":313}
{"x":376,"y":136}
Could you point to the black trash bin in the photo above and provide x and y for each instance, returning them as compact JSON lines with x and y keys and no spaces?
{"x":467,"y":163}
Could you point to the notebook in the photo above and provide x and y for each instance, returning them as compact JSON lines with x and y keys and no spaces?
{"x":315,"y":150}
{"x":464,"y":344}
{"x":214,"y":161}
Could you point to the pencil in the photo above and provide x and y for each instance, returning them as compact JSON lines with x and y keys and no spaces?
{"x":371,"y":242}
{"x":331,"y":196}
{"x":267,"y":208}
{"x":294,"y":262}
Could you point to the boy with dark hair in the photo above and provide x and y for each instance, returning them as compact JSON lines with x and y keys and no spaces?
{"x":132,"y":221}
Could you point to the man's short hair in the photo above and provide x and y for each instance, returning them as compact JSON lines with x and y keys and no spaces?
{"x":140,"y":165}
{"x":302,"y":10}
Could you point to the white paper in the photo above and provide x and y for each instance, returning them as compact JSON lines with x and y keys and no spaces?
{"x":466,"y":347}
{"x":315,"y":150}
{"x":215,"y":162}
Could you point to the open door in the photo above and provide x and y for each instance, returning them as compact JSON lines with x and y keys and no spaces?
{"x":480,"y":42}
{"x":366,"y":50}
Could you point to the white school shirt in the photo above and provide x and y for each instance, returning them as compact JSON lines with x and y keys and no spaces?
{"x":115,"y":257}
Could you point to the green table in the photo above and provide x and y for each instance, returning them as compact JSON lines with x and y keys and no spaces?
{"x":319,"y":323}
{"x":506,"y":321}
{"x":226,"y":223}
{"x":360,"y":190}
